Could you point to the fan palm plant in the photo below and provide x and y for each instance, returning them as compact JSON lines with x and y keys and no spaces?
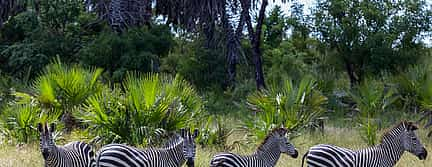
{"x":415,"y":87}
{"x":410,"y":84}
{"x":20,"y":117}
{"x":65,"y":89}
{"x":371,"y":98}
{"x":293,"y":106}
{"x":426,"y":104}
{"x":150,"y":104}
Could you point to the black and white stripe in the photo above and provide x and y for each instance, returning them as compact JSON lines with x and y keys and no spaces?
{"x":394,"y":143}
{"x":266,"y":155}
{"x":74,"y":154}
{"x":178,"y":150}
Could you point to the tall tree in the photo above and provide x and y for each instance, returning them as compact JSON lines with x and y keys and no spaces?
{"x":255,"y":37}
{"x":373,"y":35}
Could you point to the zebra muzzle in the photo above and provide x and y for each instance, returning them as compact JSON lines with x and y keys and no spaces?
{"x":423,"y":154}
{"x":295,"y":155}
{"x":45,"y":153}
{"x":190,"y":162}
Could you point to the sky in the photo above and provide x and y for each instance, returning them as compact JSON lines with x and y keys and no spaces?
{"x":309,"y":3}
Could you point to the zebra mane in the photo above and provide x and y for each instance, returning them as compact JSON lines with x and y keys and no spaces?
{"x":173,"y":141}
{"x":272,"y":132}
{"x":404,"y":124}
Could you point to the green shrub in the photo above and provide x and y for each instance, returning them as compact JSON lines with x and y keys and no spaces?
{"x":19,"y":27}
{"x":371,"y":98}
{"x":293,"y":106}
{"x":203,"y":67}
{"x":215,"y":133}
{"x":149,"y":105}
{"x":64,"y":88}
{"x":135,"y":50}
{"x":19,"y":119}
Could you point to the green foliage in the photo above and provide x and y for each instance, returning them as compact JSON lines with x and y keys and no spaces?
{"x":37,"y":45}
{"x":284,"y":61}
{"x":8,"y":85}
{"x":215,"y":133}
{"x":274,"y":27}
{"x":371,"y":98}
{"x":64,"y":89}
{"x":148,"y":105}
{"x":19,"y":27}
{"x":386,"y":39}
{"x":293,"y":106}
{"x":19,"y":119}
{"x":203,"y":67}
{"x":57,"y":14}
{"x":411,"y":84}
{"x":135,"y":50}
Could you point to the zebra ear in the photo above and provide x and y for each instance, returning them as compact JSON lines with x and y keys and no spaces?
{"x":182,"y":132}
{"x":195,"y":133}
{"x":411,"y":126}
{"x":40,"y":128}
{"x":52,"y":127}
{"x":283,"y":131}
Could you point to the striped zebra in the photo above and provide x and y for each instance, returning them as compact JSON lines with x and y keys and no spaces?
{"x":266,"y":155}
{"x":74,"y":154}
{"x":393,"y":144}
{"x":178,"y":150}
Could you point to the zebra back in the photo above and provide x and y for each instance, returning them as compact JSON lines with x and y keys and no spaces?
{"x":266,"y":155}
{"x":393,"y":144}
{"x":173,"y":154}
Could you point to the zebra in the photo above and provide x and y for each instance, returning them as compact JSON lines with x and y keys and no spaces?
{"x":178,"y":150}
{"x":266,"y":155}
{"x":393,"y":144}
{"x":73,"y":154}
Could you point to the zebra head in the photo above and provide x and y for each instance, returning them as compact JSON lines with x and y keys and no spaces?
{"x":411,"y":141}
{"x":47,"y":144}
{"x":284,"y":145}
{"x":189,"y":145}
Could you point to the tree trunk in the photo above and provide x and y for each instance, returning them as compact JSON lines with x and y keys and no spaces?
{"x":351,"y":71}
{"x":232,"y":39}
{"x":255,"y":40}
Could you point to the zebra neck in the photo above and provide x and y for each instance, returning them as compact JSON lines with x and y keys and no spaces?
{"x":53,"y":158}
{"x":269,"y":152}
{"x":384,"y":154}
{"x":175,"y":151}
{"x":392,"y":150}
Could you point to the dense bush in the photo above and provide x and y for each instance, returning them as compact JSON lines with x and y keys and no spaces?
{"x":203,"y":67}
{"x":136,"y":50}
{"x":148,"y":106}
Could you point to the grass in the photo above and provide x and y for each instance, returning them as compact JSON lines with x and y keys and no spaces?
{"x":29,"y":155}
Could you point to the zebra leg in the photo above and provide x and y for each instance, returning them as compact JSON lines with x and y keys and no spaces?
{"x":304,"y":156}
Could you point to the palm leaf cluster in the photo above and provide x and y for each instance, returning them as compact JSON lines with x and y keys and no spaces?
{"x":19,"y":118}
{"x":147,"y":106}
{"x":372,"y":98}
{"x":415,"y":88}
{"x":56,"y":93}
{"x":293,"y":106}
